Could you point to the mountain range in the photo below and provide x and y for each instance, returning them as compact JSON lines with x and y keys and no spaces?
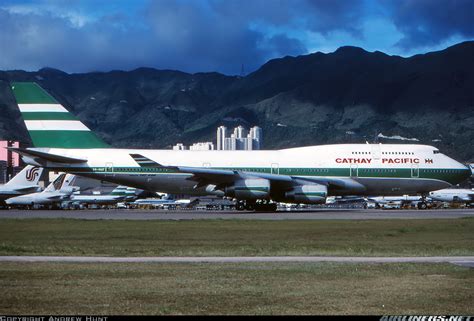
{"x":348,"y":96}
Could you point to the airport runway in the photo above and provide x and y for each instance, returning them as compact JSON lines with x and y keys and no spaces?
{"x":319,"y":214}
{"x":460,"y":260}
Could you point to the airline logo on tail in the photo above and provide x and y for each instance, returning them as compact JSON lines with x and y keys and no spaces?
{"x":32,"y":174}
{"x":143,"y":161}
{"x":49,"y":123}
{"x":59,"y":182}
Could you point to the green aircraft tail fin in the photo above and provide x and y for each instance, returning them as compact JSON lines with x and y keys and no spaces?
{"x":49,"y":123}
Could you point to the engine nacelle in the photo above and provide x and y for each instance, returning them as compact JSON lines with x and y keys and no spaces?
{"x":249,"y":189}
{"x":308,"y":194}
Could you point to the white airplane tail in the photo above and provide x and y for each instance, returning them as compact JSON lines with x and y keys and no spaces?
{"x":29,"y":176}
{"x":67,"y":186}
{"x":56,"y":184}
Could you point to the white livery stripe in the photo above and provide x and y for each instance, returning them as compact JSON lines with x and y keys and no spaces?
{"x":53,"y":108}
{"x":55,"y":125}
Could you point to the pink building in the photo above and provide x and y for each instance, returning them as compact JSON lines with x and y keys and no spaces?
{"x":4,"y":154}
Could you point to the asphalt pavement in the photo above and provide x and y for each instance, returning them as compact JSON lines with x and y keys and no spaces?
{"x":318,"y":214}
{"x":459,"y":260}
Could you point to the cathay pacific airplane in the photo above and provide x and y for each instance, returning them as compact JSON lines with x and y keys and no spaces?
{"x":119,"y":194}
{"x":255,"y":178}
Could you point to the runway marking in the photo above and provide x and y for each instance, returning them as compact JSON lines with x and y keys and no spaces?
{"x":464,"y":260}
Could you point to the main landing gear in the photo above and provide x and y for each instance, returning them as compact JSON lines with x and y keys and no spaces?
{"x":423,"y":205}
{"x":257,"y":206}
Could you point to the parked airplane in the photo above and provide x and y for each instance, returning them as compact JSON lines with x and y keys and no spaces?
{"x":119,"y":194}
{"x":460,"y":195}
{"x":56,"y":192}
{"x":390,"y":201}
{"x":24,"y":182}
{"x":296,"y":175}
{"x":159,"y":202}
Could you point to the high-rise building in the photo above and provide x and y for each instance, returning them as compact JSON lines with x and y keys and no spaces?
{"x":240,"y":132}
{"x":221,"y":135}
{"x":239,"y":139}
{"x":256,"y":135}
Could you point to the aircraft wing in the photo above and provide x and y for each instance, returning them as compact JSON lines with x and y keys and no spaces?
{"x":58,"y":197}
{"x":204,"y":176}
{"x":26,"y":189}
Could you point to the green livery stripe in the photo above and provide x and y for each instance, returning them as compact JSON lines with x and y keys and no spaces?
{"x":50,"y":124}
{"x":66,"y":139}
{"x":47,"y":116}
{"x":311,"y":194}
{"x":31,"y":93}
{"x":255,"y":189}
{"x":448,"y":175}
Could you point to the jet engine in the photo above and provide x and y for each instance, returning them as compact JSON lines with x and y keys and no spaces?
{"x":249,"y":189}
{"x":308,"y":194}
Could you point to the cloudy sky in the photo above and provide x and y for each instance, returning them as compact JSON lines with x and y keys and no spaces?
{"x":217,"y":35}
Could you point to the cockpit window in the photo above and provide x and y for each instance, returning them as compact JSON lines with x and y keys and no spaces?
{"x":436,"y":151}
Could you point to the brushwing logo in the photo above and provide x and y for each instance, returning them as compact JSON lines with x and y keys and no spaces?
{"x":32,"y":173}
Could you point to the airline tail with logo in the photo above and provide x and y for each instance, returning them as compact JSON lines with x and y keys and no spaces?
{"x":49,"y":123}
{"x":26,"y":179}
{"x":24,"y":182}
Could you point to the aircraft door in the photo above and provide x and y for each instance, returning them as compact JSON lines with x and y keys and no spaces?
{"x":376,"y":151}
{"x":275,"y":168}
{"x":354,"y":170}
{"x":415,"y":171}
{"x":109,"y":169}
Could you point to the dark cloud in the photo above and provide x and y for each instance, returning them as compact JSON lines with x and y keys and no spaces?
{"x":281,"y":45}
{"x":167,"y":34}
{"x":207,"y":35}
{"x":430,"y":22}
{"x":330,"y":15}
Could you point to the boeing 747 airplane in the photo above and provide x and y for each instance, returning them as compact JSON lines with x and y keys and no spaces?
{"x":255,"y":178}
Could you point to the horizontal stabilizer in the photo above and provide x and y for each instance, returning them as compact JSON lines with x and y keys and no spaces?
{"x":27,"y":189}
{"x":54,"y":197}
{"x":144,"y":161}
{"x":47,"y":156}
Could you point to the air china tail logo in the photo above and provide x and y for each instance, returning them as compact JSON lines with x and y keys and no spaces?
{"x":32,"y":173}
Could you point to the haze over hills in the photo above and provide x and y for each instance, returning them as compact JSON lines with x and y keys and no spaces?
{"x":347,"y":96}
